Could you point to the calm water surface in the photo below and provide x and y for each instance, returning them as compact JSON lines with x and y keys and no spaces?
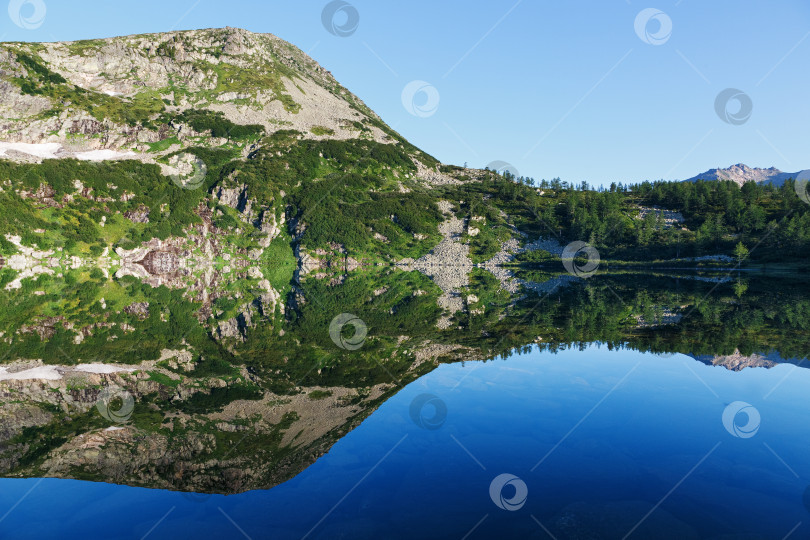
{"x":598,"y":443}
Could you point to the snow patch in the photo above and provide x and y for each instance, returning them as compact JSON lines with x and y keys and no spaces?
{"x":47,"y":373}
{"x":102,"y":155}
{"x":41,"y":150}
{"x":55,"y":373}
{"x":102,"y":368}
{"x":56,"y":151}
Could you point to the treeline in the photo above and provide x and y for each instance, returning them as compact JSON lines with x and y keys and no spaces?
{"x":657,"y":313}
{"x":773,"y":219}
{"x":772,"y":222}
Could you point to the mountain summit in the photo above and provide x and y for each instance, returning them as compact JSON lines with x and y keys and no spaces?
{"x":157,"y":93}
{"x":741,"y":173}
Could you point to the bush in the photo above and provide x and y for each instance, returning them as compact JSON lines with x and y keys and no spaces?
{"x":215,"y":123}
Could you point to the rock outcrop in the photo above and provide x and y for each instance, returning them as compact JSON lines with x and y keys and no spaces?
{"x":286,"y":89}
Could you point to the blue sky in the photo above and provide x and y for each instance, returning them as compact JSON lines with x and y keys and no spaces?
{"x":563,"y":88}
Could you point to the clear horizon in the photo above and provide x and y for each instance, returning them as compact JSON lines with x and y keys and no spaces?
{"x":596,"y":92}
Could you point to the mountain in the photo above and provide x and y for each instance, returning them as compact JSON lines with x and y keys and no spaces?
{"x":741,"y":173}
{"x":206,"y":135}
{"x":155,"y":93}
{"x":737,"y":361}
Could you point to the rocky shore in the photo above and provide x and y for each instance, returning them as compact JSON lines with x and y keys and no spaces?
{"x":449,"y":264}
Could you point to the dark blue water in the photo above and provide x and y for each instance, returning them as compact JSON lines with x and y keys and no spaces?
{"x":606,"y":443}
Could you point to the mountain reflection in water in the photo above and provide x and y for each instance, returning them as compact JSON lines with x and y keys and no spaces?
{"x":610,"y":392}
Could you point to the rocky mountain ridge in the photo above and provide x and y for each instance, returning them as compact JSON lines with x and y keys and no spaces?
{"x":106,"y":94}
{"x":741,"y":173}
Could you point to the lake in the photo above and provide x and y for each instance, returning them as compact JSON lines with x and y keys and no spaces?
{"x":553,"y":420}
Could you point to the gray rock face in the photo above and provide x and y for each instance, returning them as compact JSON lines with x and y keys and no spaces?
{"x":741,"y":173}
{"x":14,"y":417}
{"x":433,"y":176}
{"x":139,"y":309}
{"x":270,"y":225}
{"x":156,"y":262}
{"x":233,"y":197}
{"x":202,"y":62}
{"x":160,"y":262}
{"x":139,"y":215}
{"x":234,"y":328}
{"x":267,"y":302}
{"x":448,"y":264}
{"x":45,"y":328}
{"x":15,"y":103}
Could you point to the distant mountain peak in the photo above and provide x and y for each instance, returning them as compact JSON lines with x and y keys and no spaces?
{"x":741,"y":173}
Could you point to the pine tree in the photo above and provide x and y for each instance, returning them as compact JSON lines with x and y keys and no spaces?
{"x":741,"y":252}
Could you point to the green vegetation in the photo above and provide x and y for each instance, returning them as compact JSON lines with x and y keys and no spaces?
{"x":231,"y":78}
{"x":215,"y":124}
{"x":716,"y":217}
{"x":345,"y":191}
{"x":38,"y":71}
{"x":164,"y":379}
{"x":79,"y":222}
{"x":218,"y":398}
{"x":85,"y":47}
{"x":165,"y":144}
{"x":321,"y":130}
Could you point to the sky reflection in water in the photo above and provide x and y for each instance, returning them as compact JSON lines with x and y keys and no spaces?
{"x":599,"y":438}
